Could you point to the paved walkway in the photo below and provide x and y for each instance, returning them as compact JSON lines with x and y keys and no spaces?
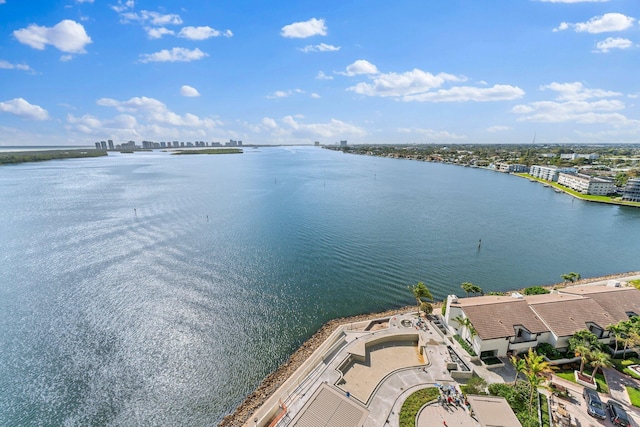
{"x":444,"y":415}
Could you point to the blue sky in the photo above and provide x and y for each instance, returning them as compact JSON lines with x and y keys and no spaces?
{"x":281,"y":72}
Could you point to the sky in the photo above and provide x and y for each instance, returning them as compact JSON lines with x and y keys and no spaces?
{"x":294,"y":72}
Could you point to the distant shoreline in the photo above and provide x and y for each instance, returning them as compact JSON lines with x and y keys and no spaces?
{"x":17,"y":157}
{"x":276,"y":378}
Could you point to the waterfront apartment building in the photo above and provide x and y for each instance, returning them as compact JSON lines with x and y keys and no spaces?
{"x":549,"y":173}
{"x":515,"y":323}
{"x":586,"y":184}
{"x":631,"y":191}
{"x":511,"y":168}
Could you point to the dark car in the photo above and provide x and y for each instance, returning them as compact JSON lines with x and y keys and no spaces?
{"x":617,"y":414}
{"x":595,"y":407}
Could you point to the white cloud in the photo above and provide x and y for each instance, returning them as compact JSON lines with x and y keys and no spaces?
{"x":361,"y":66}
{"x":2,"y":1}
{"x":284,"y":93}
{"x":122,"y":6}
{"x":67,"y":36}
{"x":418,"y":85}
{"x":322,"y":76}
{"x":22,"y":108}
{"x":177,"y":54}
{"x":202,"y":33}
{"x":408,"y":83}
{"x":613,"y":43}
{"x":155,"y":111}
{"x":156,"y":33}
{"x":315,"y":96}
{"x":574,"y":109}
{"x":153,"y":18}
{"x":432,"y":134}
{"x":189,"y":91}
{"x":84,"y":1}
{"x":302,"y":30}
{"x":469,"y":93}
{"x":600,"y":24}
{"x":576,"y":91}
{"x":9,"y":66}
{"x":494,"y":129}
{"x":322,"y":47}
{"x":66,"y":58}
{"x":333,"y":129}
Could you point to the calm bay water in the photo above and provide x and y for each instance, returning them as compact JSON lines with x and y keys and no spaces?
{"x":172,"y":313}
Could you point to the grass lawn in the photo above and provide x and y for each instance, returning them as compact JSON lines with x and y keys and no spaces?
{"x":600,"y":381}
{"x":622,"y":365}
{"x":412,"y":405}
{"x":634,"y":396}
{"x":588,"y":197}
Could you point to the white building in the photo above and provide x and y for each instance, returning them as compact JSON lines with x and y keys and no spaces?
{"x":549,"y":173}
{"x":513,"y":324}
{"x":586,"y":184}
{"x":631,"y":191}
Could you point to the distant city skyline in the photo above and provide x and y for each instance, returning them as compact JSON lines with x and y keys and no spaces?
{"x":375,"y":72}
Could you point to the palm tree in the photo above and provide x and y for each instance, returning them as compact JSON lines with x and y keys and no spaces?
{"x":582,"y":351}
{"x":570,"y":277}
{"x":599,"y":359}
{"x":420,"y":292}
{"x":469,"y":287}
{"x":536,"y":366}
{"x":617,"y":330}
{"x":519,"y":364}
{"x":465,"y":322}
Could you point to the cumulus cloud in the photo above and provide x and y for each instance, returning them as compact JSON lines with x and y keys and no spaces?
{"x":420,"y":86}
{"x":609,"y":43}
{"x":322,"y":76}
{"x":408,"y":83}
{"x":21,"y":107}
{"x":150,"y":17}
{"x":575,"y":103}
{"x":290,"y":128}
{"x":608,"y":22}
{"x":67,"y":36}
{"x":302,"y":30}
{"x":9,"y":66}
{"x":157,"y":33}
{"x":284,"y":93}
{"x":84,"y":1}
{"x":202,"y":33}
{"x":189,"y":91}
{"x":155,"y":111}
{"x":322,"y":47}
{"x":315,"y":96}
{"x":123,"y":5}
{"x":361,"y":66}
{"x":177,"y":54}
{"x":575,"y":91}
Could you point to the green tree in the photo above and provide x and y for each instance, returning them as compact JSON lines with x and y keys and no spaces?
{"x":570,"y":277}
{"x":599,"y":359}
{"x":584,"y":353}
{"x":617,"y":330}
{"x":420,"y":293}
{"x":536,"y":290}
{"x":470,"y":288}
{"x":536,"y":367}
{"x":519,"y":364}
{"x":465,"y":323}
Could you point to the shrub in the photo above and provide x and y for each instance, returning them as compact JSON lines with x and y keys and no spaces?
{"x":412,"y":405}
{"x":536,"y":290}
{"x":465,"y":345}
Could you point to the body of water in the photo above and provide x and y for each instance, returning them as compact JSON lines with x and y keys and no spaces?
{"x":151,"y":289}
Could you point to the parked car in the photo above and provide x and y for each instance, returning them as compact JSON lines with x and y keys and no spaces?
{"x":595,"y":407}
{"x":617,"y":414}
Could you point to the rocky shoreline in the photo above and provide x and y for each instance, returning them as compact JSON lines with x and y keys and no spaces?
{"x":274,"y":380}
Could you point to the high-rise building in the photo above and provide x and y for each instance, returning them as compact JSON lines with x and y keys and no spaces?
{"x":110,"y":142}
{"x":97,"y":145}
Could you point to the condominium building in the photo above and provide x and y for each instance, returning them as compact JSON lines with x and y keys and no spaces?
{"x":549,"y":173}
{"x":511,"y":168}
{"x":631,"y":191}
{"x":586,"y":184}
